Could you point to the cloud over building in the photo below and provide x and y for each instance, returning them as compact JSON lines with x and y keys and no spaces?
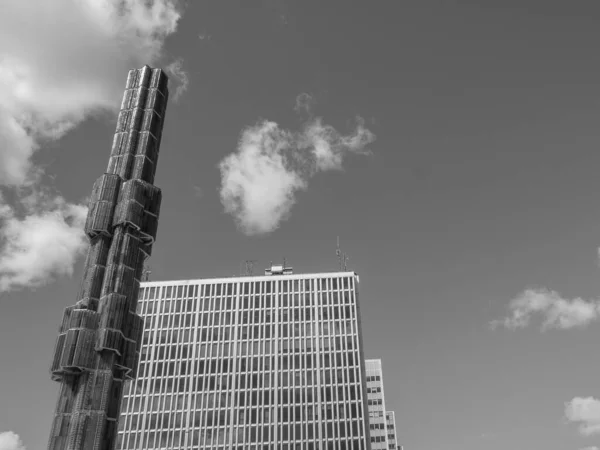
{"x":260,"y":180}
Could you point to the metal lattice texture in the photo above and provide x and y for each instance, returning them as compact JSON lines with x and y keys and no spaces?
{"x":100,"y":336}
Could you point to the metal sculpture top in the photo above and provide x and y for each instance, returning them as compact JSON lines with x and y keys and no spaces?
{"x":99,"y":339}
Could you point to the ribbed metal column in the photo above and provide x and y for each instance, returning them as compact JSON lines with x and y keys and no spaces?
{"x":100,"y":336}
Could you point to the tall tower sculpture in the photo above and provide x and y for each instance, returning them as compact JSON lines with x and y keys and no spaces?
{"x":100,"y":336}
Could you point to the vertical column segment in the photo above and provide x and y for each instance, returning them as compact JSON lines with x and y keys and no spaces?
{"x":100,"y":336}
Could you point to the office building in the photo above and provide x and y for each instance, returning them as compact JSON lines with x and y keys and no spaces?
{"x":391,"y":431}
{"x":261,"y":362}
{"x":381,"y":421}
{"x":376,"y":404}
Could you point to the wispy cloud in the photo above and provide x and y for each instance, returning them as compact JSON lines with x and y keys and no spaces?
{"x":73,"y":66}
{"x":486,"y":436}
{"x":590,"y":448}
{"x":304,"y":103}
{"x":175,"y":69}
{"x":10,"y":441}
{"x":204,"y":35}
{"x":585,"y":411}
{"x":329,"y":148}
{"x":198,"y":191}
{"x":556,"y":312}
{"x":260,"y":180}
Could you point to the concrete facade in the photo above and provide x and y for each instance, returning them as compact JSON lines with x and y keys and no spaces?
{"x":376,"y":404}
{"x":391,"y":431}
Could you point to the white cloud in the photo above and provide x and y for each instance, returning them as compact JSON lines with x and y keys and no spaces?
{"x":585,"y":412}
{"x":590,"y":448}
{"x":257,"y":186}
{"x":40,"y":243}
{"x":10,"y":441}
{"x":63,"y":60}
{"x":60,"y":62}
{"x":556,"y":311}
{"x":175,"y":69}
{"x":260,"y":180}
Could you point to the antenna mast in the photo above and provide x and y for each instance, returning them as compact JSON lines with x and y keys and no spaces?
{"x":249,"y":267}
{"x":342,"y":257}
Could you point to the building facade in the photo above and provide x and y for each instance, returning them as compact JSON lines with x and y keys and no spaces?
{"x":381,"y":421}
{"x":391,"y":430}
{"x":376,"y":404}
{"x":267,"y":362}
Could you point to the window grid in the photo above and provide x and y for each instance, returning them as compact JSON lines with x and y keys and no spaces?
{"x":248,"y":364}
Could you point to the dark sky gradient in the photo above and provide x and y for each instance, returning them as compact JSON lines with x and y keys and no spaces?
{"x":483,"y":182}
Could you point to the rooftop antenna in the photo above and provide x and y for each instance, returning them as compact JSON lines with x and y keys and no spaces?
{"x":249,"y":267}
{"x":146,"y":273}
{"x":345,"y":259}
{"x":342,"y":257}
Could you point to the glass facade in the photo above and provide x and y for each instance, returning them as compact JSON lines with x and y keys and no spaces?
{"x":270,"y":362}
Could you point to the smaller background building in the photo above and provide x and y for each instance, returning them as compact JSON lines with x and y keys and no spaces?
{"x":390,"y":419}
{"x":376,"y":405}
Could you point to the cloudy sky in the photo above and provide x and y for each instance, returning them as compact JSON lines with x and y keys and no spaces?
{"x":452,"y":145}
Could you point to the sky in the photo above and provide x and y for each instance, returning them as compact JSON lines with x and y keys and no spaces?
{"x":451,"y":145}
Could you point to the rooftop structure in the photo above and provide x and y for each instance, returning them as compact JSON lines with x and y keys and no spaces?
{"x":279,"y":270}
